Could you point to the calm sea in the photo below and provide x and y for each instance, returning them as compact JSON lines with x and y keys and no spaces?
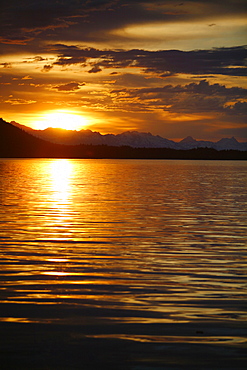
{"x":130,"y":264}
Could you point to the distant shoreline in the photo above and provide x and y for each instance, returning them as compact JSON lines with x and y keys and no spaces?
{"x":50,"y":150}
{"x":96,"y":152}
{"x":16,"y":143}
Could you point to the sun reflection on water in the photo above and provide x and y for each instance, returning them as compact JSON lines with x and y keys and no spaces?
{"x":58,"y":203}
{"x":60,"y":171}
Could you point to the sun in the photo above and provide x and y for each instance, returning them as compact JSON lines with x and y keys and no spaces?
{"x":66,"y":120}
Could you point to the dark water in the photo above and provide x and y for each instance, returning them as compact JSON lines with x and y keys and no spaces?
{"x":128,"y":264}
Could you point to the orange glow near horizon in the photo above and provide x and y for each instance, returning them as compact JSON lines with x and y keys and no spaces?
{"x":64,"y":119}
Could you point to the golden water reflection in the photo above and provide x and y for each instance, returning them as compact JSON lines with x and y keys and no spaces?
{"x":130,"y":242}
{"x":60,"y":172}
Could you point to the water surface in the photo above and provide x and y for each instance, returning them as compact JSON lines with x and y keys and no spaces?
{"x":140,"y":262}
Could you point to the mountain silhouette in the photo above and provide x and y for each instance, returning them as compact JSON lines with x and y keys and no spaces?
{"x":133,"y":139}
{"x":17,"y":142}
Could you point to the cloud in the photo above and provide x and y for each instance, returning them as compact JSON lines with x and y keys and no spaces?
{"x":14,"y":101}
{"x":224,"y":61}
{"x":35,"y":59}
{"x":27,"y":78}
{"x":203,"y":88}
{"x":23,"y":21}
{"x":72,"y":86}
{"x":95,"y":69}
{"x":15,"y":39}
{"x":239,"y":108}
{"x":38,"y":58}
{"x":47,"y":68}
{"x":91,"y":21}
{"x":191,"y":98}
{"x":6,"y":65}
{"x":68,"y":60}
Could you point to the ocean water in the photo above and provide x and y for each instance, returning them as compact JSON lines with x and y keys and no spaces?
{"x":128,"y":264}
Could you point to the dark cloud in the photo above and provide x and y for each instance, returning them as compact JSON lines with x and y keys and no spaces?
{"x":26,"y":20}
{"x":47,"y":68}
{"x":22,"y":21}
{"x":225,"y":61}
{"x":203,"y":88}
{"x":95,"y":69}
{"x":6,"y":65}
{"x":72,"y":86}
{"x":15,"y":39}
{"x":239,"y":108}
{"x":38,"y":58}
{"x":67,"y":61}
{"x":196,"y":104}
{"x":35,"y":59}
{"x":191,"y":98}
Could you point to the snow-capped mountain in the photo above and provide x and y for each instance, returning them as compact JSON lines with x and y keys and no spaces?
{"x":134,"y":139}
{"x":190,"y":143}
{"x":230,"y":144}
{"x":223,"y":144}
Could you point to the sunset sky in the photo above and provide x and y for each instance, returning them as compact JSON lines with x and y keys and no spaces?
{"x":167,"y":67}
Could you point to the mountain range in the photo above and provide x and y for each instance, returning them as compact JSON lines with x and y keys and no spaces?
{"x":15,"y":142}
{"x":133,"y":139}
